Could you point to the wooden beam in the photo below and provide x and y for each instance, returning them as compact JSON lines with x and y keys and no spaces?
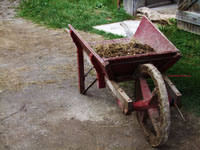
{"x":120,"y":94}
{"x":185,"y":5}
{"x":172,"y":90}
{"x":159,"y":4}
{"x":189,"y":17}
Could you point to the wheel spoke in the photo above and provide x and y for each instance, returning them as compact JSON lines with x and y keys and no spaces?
{"x":155,"y":120}
{"x":142,"y":117}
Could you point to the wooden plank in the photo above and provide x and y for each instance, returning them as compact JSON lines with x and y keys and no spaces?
{"x":172,"y":91}
{"x":188,"y":27}
{"x":190,"y":20}
{"x":195,"y":7}
{"x":131,"y":6}
{"x":162,"y":3}
{"x":185,"y":5}
{"x":189,"y":17}
{"x":120,"y":94}
{"x":150,"y":2}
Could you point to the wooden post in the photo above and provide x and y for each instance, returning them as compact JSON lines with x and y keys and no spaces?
{"x":81,"y":76}
{"x":189,"y":20}
{"x":80,"y":62}
{"x":185,"y":5}
{"x":131,"y":6}
{"x":119,"y":3}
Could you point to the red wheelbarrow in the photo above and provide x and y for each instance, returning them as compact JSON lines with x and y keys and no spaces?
{"x":153,"y":90}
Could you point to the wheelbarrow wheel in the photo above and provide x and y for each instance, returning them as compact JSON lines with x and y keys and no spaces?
{"x":155,"y":121}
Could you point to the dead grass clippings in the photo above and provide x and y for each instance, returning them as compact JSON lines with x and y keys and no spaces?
{"x":122,"y":49}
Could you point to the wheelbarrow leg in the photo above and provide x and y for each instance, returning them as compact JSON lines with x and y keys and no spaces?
{"x":81,"y":76}
{"x":80,"y":62}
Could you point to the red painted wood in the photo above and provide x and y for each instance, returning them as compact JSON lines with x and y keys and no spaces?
{"x":147,"y":33}
{"x":81,"y":42}
{"x":146,"y":92}
{"x":100,"y":74}
{"x":143,"y":105}
{"x":146,"y":95}
{"x":148,"y":102}
{"x":85,"y":46}
{"x":170,"y":63}
{"x":80,"y":61}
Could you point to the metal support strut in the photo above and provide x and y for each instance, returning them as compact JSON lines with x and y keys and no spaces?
{"x":89,"y":71}
{"x":89,"y":86}
{"x":91,"y":83}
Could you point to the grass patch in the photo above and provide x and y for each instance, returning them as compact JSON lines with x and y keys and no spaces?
{"x":82,"y":14}
{"x":189,"y":64}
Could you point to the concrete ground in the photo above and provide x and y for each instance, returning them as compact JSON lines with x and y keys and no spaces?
{"x":41,"y":108}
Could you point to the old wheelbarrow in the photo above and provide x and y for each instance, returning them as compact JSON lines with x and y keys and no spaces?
{"x":154,"y":92}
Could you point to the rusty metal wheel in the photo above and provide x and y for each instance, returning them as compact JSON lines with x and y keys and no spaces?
{"x":155,"y":121}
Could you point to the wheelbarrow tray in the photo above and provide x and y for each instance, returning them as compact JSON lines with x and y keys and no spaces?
{"x":123,"y":67}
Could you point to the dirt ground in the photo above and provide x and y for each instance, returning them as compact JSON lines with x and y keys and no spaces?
{"x":41,"y":108}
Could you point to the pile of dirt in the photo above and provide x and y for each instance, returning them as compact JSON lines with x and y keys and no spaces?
{"x":122,"y":49}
